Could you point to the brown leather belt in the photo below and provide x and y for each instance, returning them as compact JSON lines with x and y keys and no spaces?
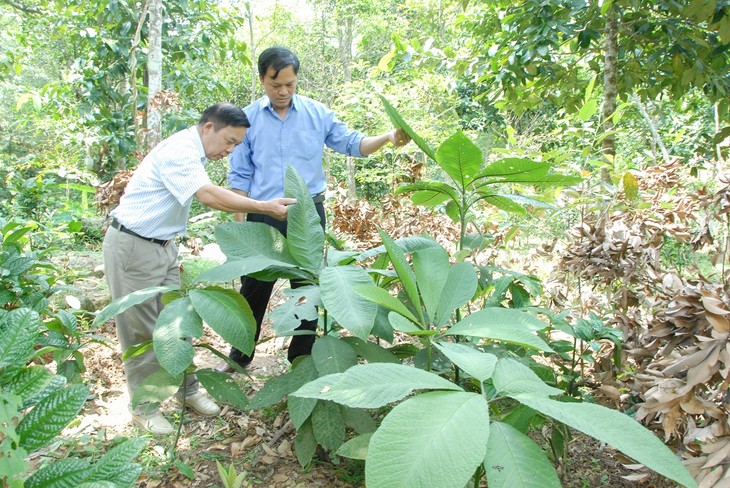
{"x":115,"y":223}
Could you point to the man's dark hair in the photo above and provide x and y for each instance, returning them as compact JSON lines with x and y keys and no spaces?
{"x":277,"y":58}
{"x":224,"y":115}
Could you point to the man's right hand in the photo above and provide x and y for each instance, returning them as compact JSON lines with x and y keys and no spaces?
{"x":278,"y":207}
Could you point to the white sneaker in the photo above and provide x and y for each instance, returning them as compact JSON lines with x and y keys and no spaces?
{"x":202,"y":404}
{"x":154,"y":423}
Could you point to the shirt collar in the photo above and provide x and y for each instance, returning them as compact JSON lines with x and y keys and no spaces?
{"x":198,"y":143}
{"x":266,"y":102}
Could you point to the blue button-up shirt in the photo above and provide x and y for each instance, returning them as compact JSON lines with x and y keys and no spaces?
{"x":258,"y":164}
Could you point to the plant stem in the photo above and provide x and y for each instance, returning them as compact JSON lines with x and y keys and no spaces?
{"x":178,"y":434}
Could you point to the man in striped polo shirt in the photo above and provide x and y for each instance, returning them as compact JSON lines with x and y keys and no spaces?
{"x":139,"y":249}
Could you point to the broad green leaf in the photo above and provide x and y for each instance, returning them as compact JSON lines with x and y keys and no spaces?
{"x":356,"y":448}
{"x":227,"y":313}
{"x":157,"y":387}
{"x":474,"y":362}
{"x":115,"y":463}
{"x":373,"y":385}
{"x":407,"y":244}
{"x":305,"y":444}
{"x":430,"y":198}
{"x":514,"y":460}
{"x":222,"y":387}
{"x":431,"y":190}
{"x":431,"y":268}
{"x":381,"y":297}
{"x":370,"y":351}
{"x":123,"y":303}
{"x":459,"y":289}
{"x":404,"y":271}
{"x":399,"y":123}
{"x":508,"y":170}
{"x":514,"y":378}
{"x":300,"y":409}
{"x":301,"y":305}
{"x":332,"y":355}
{"x":502,"y":324}
{"x":460,"y":158}
{"x":328,"y":426}
{"x":442,"y":448}
{"x":14,"y":457}
{"x":277,"y":387}
{"x":358,"y":419}
{"x":588,"y":110}
{"x":257,"y":240}
{"x":28,"y":382}
{"x":50,"y":417}
{"x":402,"y":324}
{"x":502,"y":202}
{"x":304,"y":233}
{"x":66,"y":473}
{"x":18,"y":334}
{"x":618,"y":430}
{"x":176,"y":325}
{"x":348,"y":308}
{"x":235,"y":268}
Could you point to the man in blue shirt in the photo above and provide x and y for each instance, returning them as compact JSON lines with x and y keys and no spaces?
{"x":288,"y":129}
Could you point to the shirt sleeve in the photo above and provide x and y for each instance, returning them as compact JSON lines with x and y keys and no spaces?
{"x":183,"y":177}
{"x":242,"y":169}
{"x":341,"y":138}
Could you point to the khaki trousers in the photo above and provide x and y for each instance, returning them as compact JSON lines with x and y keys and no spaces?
{"x":131,"y":264}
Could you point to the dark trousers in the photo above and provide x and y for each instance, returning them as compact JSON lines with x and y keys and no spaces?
{"x":258,"y":293}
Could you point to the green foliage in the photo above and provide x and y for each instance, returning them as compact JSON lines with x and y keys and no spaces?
{"x":230,"y":478}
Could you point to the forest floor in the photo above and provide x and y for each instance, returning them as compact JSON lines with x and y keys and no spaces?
{"x":258,"y":442}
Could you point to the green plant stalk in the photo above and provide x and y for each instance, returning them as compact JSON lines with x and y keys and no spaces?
{"x":478,"y":475}
{"x":178,"y":433}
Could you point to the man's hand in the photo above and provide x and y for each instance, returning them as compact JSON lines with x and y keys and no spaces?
{"x":398,"y":137}
{"x":278,"y":207}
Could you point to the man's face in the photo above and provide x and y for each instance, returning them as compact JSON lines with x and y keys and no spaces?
{"x":219,"y":144}
{"x":280,"y":90}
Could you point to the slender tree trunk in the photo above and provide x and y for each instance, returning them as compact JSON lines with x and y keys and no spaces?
{"x":252,"y":43}
{"x":138,"y":128}
{"x":344,"y":31}
{"x":154,"y":71}
{"x":652,"y":128}
{"x":610,"y":88}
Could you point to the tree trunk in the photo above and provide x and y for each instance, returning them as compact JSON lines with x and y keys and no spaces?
{"x":252,"y":42}
{"x":154,"y":70}
{"x":138,"y":129}
{"x":344,"y":38}
{"x":610,"y":87}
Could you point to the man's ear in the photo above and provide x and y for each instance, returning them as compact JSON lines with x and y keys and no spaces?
{"x":208,"y":127}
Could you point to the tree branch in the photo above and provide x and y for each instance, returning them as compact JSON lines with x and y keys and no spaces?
{"x":22,"y":8}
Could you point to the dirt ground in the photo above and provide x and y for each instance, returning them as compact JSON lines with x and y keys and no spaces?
{"x":258,"y":442}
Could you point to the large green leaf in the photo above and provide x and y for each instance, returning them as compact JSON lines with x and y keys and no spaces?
{"x":66,"y":473}
{"x":373,"y":385}
{"x":227,"y":313}
{"x":50,"y":417}
{"x":234,"y":268}
{"x":617,"y":430}
{"x":156,"y":388}
{"x":434,"y":439}
{"x":474,"y":362}
{"x":502,"y":202}
{"x":431,"y":268}
{"x":18,"y":334}
{"x":304,"y":233}
{"x":301,"y":305}
{"x":123,"y":303}
{"x":256,"y":240}
{"x":300,"y":409}
{"x":305,"y":444}
{"x":381,"y":297}
{"x":459,"y":289}
{"x":430,"y":191}
{"x":404,"y":271}
{"x":513,"y":378}
{"x":429,"y":198}
{"x":514,"y":460}
{"x":503,"y":324}
{"x":460,"y":158}
{"x":178,"y":322}
{"x":328,"y":425}
{"x":277,"y":387}
{"x":357,"y":447}
{"x":222,"y":387}
{"x":401,"y":124}
{"x":407,"y":244}
{"x":28,"y":382}
{"x":370,"y":351}
{"x":332,"y":355}
{"x":348,"y":308}
{"x":117,"y":462}
{"x":509,"y":170}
